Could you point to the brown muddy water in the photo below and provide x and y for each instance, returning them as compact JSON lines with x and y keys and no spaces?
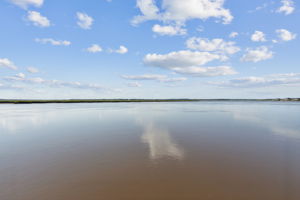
{"x":150,"y":151}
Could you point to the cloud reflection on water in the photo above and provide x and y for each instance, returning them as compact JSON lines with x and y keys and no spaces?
{"x":160,"y":142}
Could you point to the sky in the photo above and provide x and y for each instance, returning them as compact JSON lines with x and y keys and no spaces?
{"x":65,"y":49}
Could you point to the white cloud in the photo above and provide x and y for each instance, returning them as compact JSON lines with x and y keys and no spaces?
{"x":173,"y":80}
{"x":189,"y":62}
{"x":258,"y":36}
{"x":37,"y":19}
{"x":168,"y":30}
{"x":4,"y":62}
{"x":10,"y":87}
{"x":23,"y":78}
{"x":122,"y":50}
{"x":25,"y":3}
{"x":180,"y":11}
{"x":291,"y":79}
{"x":181,"y":59}
{"x":20,"y":77}
{"x":53,"y":42}
{"x":200,"y":28}
{"x":134,"y":84}
{"x":145,"y":77}
{"x":261,"y":7}
{"x":84,"y":21}
{"x":155,"y":77}
{"x":258,"y":54}
{"x":287,"y":7}
{"x":206,"y":71}
{"x":233,"y":34}
{"x":32,"y":70}
{"x":148,"y":9}
{"x":285,"y":35}
{"x":94,"y":48}
{"x":217,"y":45}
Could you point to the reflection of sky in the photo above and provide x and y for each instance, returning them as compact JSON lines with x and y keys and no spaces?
{"x":265,"y":119}
{"x":18,"y":118}
{"x":280,"y":118}
{"x":160,"y":143}
{"x":14,"y":118}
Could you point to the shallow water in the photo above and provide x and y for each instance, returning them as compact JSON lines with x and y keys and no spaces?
{"x":155,"y":151}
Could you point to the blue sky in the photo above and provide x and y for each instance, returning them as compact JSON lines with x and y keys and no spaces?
{"x":149,"y":49}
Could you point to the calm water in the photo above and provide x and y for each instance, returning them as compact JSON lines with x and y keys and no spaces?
{"x":150,"y":151}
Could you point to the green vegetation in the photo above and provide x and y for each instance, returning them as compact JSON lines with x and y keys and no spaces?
{"x":21,"y":101}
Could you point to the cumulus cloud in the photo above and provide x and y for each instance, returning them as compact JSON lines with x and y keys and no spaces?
{"x":168,"y":30}
{"x":148,"y":9}
{"x":180,"y":11}
{"x":32,"y":70}
{"x":155,"y":77}
{"x":258,"y":54}
{"x":84,"y":21}
{"x":258,"y":36}
{"x":179,"y":59}
{"x":26,"y":3}
{"x":122,"y":50}
{"x":287,"y":7}
{"x":189,"y":62}
{"x":290,"y":79}
{"x":53,"y":42}
{"x":285,"y":35}
{"x":4,"y":62}
{"x":37,"y":19}
{"x":217,"y":45}
{"x":233,"y":34}
{"x":94,"y":48}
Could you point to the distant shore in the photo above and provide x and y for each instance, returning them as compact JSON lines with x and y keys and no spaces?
{"x":28,"y":101}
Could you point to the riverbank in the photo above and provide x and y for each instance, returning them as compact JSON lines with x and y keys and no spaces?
{"x":29,"y":101}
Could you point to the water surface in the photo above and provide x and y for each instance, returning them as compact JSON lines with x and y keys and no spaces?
{"x":150,"y":151}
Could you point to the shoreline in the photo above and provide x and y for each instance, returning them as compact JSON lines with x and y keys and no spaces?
{"x":25,"y":101}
